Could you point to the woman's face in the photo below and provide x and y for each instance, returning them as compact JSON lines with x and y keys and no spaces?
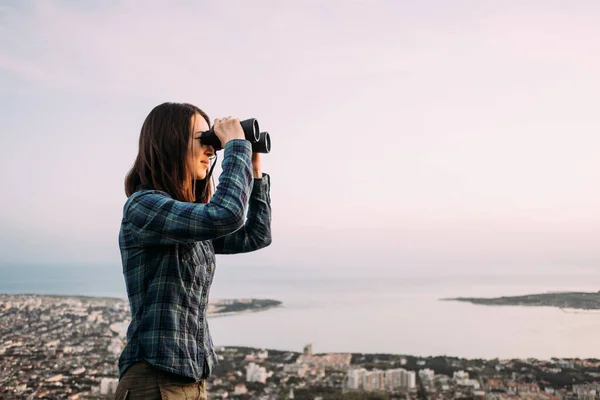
{"x":199,"y":154}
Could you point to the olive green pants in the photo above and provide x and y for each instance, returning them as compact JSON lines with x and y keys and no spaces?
{"x":143,"y":381}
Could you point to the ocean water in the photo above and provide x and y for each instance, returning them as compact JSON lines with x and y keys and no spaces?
{"x":367,"y":310}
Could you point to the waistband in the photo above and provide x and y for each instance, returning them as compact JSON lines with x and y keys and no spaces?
{"x":143,"y":369}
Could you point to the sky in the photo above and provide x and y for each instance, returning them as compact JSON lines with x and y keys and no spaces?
{"x":415,"y":136}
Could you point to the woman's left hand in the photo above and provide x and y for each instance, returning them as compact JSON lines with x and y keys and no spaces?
{"x":256,"y":171}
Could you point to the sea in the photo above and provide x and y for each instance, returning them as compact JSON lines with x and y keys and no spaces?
{"x":365,"y":310}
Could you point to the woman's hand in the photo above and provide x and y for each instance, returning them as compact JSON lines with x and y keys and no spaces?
{"x":228,"y":129}
{"x":256,"y":171}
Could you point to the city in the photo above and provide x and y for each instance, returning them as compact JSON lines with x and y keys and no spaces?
{"x":67,"y":347}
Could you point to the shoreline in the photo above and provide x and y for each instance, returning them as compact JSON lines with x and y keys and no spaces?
{"x":567,"y":301}
{"x":216,"y":303}
{"x":250,"y":311}
{"x":70,"y":296}
{"x":119,"y":327}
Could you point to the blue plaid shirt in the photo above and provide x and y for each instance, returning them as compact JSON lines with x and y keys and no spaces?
{"x":168,"y":252}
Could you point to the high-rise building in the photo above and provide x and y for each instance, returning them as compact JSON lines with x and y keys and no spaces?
{"x":308,"y":350}
{"x":392,"y":379}
{"x":409,"y":379}
{"x":355,"y":378}
{"x":374,"y":380}
{"x":400,"y":378}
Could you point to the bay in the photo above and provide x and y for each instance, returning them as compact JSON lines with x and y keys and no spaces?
{"x":367,"y":310}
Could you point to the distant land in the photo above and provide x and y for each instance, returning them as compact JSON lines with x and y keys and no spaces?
{"x":225,"y":307}
{"x":217,"y":308}
{"x":567,"y":301}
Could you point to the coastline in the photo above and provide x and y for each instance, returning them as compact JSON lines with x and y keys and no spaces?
{"x":568,"y":310}
{"x":318,"y":322}
{"x":212,"y":314}
{"x":568,"y":302}
{"x":232,"y":313}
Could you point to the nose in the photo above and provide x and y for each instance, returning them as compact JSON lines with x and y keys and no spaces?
{"x":209,"y":151}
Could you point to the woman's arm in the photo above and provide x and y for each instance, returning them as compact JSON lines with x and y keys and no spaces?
{"x":256,"y":232}
{"x":156,"y":218}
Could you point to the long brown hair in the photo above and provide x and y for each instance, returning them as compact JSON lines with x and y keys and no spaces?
{"x":161,"y":163}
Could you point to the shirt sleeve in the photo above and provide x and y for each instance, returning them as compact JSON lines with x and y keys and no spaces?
{"x":256,"y":232}
{"x":156,"y":218}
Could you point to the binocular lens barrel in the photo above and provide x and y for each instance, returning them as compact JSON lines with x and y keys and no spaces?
{"x":261,"y":142}
{"x":263,"y":145}
{"x":251,"y":129}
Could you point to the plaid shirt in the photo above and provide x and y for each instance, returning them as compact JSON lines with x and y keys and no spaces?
{"x":168,"y":252}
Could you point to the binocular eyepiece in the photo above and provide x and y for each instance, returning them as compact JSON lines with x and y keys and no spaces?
{"x":261,"y":141}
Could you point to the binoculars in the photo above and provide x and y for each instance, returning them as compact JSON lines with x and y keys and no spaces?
{"x":261,"y":141}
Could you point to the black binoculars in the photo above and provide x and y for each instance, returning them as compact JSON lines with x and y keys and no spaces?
{"x":261,"y":141}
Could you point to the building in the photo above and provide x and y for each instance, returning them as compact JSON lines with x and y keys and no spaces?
{"x":308,"y":350}
{"x":426,"y":374}
{"x":262,"y":355}
{"x":584,"y":391}
{"x":108,"y":385}
{"x":373,"y":381}
{"x":337,"y":361}
{"x":392,"y":379}
{"x":354,"y":378}
{"x":296,"y":369}
{"x":401,"y":379}
{"x":254,"y":373}
{"x":240,"y":388}
{"x":460,"y":376}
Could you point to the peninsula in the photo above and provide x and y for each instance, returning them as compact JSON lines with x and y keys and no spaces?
{"x":563,"y":300}
{"x":220,"y":308}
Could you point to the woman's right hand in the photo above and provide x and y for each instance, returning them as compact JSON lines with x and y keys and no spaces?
{"x":228,"y":129}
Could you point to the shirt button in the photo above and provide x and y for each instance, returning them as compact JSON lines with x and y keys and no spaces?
{"x":209,"y":269}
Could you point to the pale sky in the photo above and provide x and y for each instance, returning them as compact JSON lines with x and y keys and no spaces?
{"x":427,"y":135}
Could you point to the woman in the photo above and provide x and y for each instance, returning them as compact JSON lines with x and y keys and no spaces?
{"x":172,"y":227}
